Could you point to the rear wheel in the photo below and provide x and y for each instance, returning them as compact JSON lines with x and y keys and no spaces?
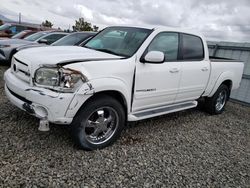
{"x":99,"y":123}
{"x":216,"y":103}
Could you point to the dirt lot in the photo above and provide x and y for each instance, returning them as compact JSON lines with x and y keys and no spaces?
{"x":189,"y":148}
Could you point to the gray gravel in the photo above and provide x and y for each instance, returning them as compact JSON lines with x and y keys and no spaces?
{"x":189,"y":148}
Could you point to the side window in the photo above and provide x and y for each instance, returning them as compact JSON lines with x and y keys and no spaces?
{"x":20,"y":28}
{"x":13,"y":29}
{"x":53,"y":37}
{"x":192,"y":48}
{"x":168,"y":43}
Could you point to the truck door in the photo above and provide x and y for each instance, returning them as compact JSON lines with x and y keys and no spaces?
{"x":157,"y":84}
{"x":195,"y":69}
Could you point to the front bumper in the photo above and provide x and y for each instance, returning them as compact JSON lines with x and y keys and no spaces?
{"x":40,"y":102}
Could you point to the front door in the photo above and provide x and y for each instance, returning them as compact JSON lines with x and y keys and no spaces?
{"x":157,"y":84}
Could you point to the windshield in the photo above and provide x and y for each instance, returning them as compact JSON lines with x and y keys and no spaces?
{"x":4,"y":27}
{"x":122,"y":41}
{"x":18,"y":35}
{"x":72,"y":39}
{"x":35,"y":36}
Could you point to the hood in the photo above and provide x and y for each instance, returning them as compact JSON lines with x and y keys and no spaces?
{"x":15,"y":41}
{"x":52,"y":55}
{"x":32,"y":45}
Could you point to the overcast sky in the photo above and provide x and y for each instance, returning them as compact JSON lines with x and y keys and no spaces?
{"x":227,"y":20}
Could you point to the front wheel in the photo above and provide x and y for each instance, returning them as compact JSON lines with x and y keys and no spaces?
{"x":98,"y":123}
{"x":216,"y":103}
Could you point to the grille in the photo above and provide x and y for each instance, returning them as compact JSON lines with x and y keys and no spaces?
{"x":20,"y":70}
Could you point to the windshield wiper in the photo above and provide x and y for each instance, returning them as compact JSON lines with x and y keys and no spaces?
{"x":110,"y":52}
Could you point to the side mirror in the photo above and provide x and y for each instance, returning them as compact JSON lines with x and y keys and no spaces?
{"x":154,"y":57}
{"x":43,"y":41}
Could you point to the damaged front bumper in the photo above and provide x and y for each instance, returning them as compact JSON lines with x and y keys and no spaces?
{"x":59,"y":108}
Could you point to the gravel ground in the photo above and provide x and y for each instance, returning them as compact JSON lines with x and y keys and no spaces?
{"x":189,"y":148}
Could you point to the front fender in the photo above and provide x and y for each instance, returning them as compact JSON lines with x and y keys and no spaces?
{"x":113,"y":84}
{"x":95,"y":86}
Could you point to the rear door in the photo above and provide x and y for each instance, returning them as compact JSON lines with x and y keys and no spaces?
{"x":157,"y":84}
{"x":195,"y":69}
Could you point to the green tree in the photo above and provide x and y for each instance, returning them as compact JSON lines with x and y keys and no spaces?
{"x":1,"y":22}
{"x":47,"y":23}
{"x":82,"y":25}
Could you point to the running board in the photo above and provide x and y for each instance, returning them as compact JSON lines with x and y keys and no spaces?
{"x":144,"y":114}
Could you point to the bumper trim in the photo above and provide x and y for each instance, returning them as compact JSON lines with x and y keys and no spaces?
{"x":18,"y":96}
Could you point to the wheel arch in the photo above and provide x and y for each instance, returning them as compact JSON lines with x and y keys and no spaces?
{"x":226,"y":79}
{"x":113,"y":93}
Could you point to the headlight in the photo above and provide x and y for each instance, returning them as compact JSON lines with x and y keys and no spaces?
{"x":47,"y":77}
{"x":4,"y":46}
{"x":59,"y":78}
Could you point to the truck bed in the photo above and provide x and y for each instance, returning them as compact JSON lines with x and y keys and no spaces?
{"x":222,"y":59}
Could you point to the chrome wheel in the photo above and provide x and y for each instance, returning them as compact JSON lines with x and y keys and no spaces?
{"x":221,"y":100}
{"x":101,"y":125}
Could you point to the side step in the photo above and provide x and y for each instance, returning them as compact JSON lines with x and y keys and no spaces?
{"x":149,"y":113}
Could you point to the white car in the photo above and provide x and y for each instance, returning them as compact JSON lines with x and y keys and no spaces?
{"x":121,"y":74}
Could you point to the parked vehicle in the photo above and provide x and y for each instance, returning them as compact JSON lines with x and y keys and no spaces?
{"x":121,"y":74}
{"x":73,"y":39}
{"x":23,"y":34}
{"x":8,"y":47}
{"x":10,"y":29}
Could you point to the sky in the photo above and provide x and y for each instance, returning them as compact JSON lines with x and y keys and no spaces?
{"x":220,"y":20}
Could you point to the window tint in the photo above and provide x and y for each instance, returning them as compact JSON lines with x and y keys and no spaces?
{"x":167,"y":43}
{"x":192,"y":48}
{"x":53,"y":37}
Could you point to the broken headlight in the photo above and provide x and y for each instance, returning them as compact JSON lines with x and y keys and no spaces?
{"x":59,"y":78}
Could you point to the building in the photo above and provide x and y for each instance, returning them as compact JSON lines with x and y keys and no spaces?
{"x":237,"y":51}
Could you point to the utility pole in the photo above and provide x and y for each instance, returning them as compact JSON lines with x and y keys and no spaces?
{"x":19,"y":18}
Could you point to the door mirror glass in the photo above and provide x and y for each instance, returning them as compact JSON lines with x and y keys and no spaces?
{"x":154,"y":57}
{"x":43,"y":41}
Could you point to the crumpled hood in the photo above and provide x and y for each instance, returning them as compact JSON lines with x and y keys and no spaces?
{"x":53,"y":55}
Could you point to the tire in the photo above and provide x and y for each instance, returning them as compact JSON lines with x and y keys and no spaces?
{"x":98,"y":123}
{"x":221,"y":97}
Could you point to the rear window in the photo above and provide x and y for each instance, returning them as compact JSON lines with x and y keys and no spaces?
{"x":192,"y":47}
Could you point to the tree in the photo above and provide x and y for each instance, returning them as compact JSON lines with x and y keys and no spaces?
{"x":1,"y":22}
{"x":95,"y":28}
{"x":82,"y":25}
{"x":47,"y":24}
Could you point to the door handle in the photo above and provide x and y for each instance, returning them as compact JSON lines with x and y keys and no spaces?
{"x":174,"y":70}
{"x":204,"y":69}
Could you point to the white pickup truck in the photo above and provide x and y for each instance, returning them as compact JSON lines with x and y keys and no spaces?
{"x":121,"y":74}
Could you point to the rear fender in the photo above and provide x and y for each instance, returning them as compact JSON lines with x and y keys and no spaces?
{"x":223,"y":77}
